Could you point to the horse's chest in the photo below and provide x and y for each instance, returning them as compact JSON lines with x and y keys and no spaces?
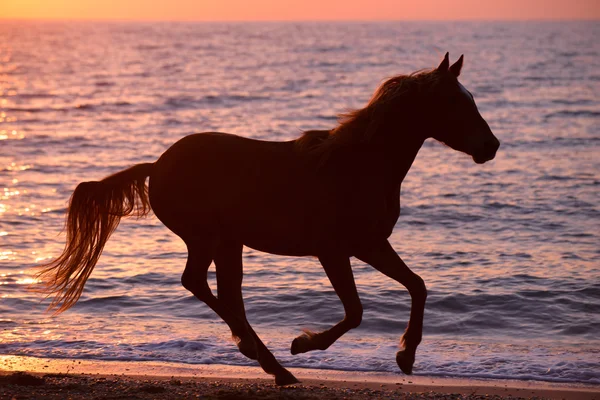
{"x":374,"y":218}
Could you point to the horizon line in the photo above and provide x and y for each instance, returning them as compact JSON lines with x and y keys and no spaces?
{"x":117,"y":19}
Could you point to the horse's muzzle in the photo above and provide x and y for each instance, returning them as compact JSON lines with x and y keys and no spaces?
{"x":488,"y":151}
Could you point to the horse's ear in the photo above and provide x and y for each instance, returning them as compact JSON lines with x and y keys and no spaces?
{"x":457,"y":66}
{"x":445,"y":63}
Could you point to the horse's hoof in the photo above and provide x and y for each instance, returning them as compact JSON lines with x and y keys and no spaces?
{"x":305,"y":343}
{"x":285,"y":378}
{"x":405,"y":361}
{"x":299,"y":345}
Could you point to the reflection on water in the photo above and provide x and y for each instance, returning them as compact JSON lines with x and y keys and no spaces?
{"x":509,"y":250}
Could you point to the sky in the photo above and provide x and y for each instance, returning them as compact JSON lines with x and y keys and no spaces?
{"x":301,"y":10}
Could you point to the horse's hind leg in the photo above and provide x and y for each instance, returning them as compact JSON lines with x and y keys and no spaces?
{"x":339,"y":272}
{"x":228,"y":261}
{"x":194,"y":279}
{"x":383,"y":258}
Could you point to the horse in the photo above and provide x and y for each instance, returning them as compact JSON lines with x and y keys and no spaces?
{"x":330,"y":194}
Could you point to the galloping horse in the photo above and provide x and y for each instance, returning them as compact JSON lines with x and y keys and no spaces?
{"x":329,"y":194}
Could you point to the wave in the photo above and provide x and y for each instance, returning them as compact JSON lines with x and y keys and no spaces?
{"x":442,"y":359}
{"x":573,"y":113}
{"x":34,"y":96}
{"x":500,"y":307}
{"x":104,"y":83}
{"x":187,"y":102}
{"x":573,"y":102}
{"x":65,"y":109}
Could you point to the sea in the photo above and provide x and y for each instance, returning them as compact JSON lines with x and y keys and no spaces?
{"x":509,"y":250}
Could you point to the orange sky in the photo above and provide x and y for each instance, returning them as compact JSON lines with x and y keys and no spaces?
{"x":279,"y":10}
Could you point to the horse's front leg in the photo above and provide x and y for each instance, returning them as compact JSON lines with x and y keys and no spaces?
{"x":338,"y":270}
{"x":384,"y":258}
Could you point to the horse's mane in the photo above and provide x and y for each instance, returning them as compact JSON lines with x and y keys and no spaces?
{"x":359,"y":126}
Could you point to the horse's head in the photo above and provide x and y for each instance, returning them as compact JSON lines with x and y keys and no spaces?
{"x":457,"y":121}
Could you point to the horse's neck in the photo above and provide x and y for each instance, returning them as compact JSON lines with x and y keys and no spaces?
{"x":398,"y":152}
{"x":394,"y":145}
{"x":382,"y":165}
{"x":406,"y":156}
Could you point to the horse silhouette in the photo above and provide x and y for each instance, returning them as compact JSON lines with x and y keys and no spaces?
{"x":329,"y":194}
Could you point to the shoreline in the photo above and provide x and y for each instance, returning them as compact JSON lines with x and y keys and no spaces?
{"x":161,"y":380}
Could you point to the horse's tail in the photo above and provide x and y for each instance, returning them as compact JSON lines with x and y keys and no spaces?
{"x":94,"y":212}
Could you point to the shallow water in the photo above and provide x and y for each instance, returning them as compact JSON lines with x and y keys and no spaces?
{"x":509,"y":249}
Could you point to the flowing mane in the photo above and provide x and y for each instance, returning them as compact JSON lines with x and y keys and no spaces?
{"x":359,"y":126}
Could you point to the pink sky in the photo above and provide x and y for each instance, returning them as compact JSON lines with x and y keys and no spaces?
{"x":285,"y":10}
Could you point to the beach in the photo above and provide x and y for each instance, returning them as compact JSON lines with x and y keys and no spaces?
{"x":30,"y":377}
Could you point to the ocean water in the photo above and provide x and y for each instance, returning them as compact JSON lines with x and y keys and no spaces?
{"x":510,"y":250}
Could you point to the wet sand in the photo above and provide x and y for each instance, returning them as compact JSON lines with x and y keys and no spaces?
{"x":34,"y":378}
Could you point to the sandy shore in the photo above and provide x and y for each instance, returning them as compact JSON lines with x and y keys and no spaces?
{"x":36,"y":378}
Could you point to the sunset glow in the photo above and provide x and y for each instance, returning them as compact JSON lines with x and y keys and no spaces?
{"x":276,"y":10}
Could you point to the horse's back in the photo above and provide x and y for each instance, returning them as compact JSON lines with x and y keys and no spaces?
{"x":225,"y":164}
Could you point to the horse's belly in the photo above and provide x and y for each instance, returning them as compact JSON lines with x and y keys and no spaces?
{"x":282,"y":248}
{"x":289,"y":231}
